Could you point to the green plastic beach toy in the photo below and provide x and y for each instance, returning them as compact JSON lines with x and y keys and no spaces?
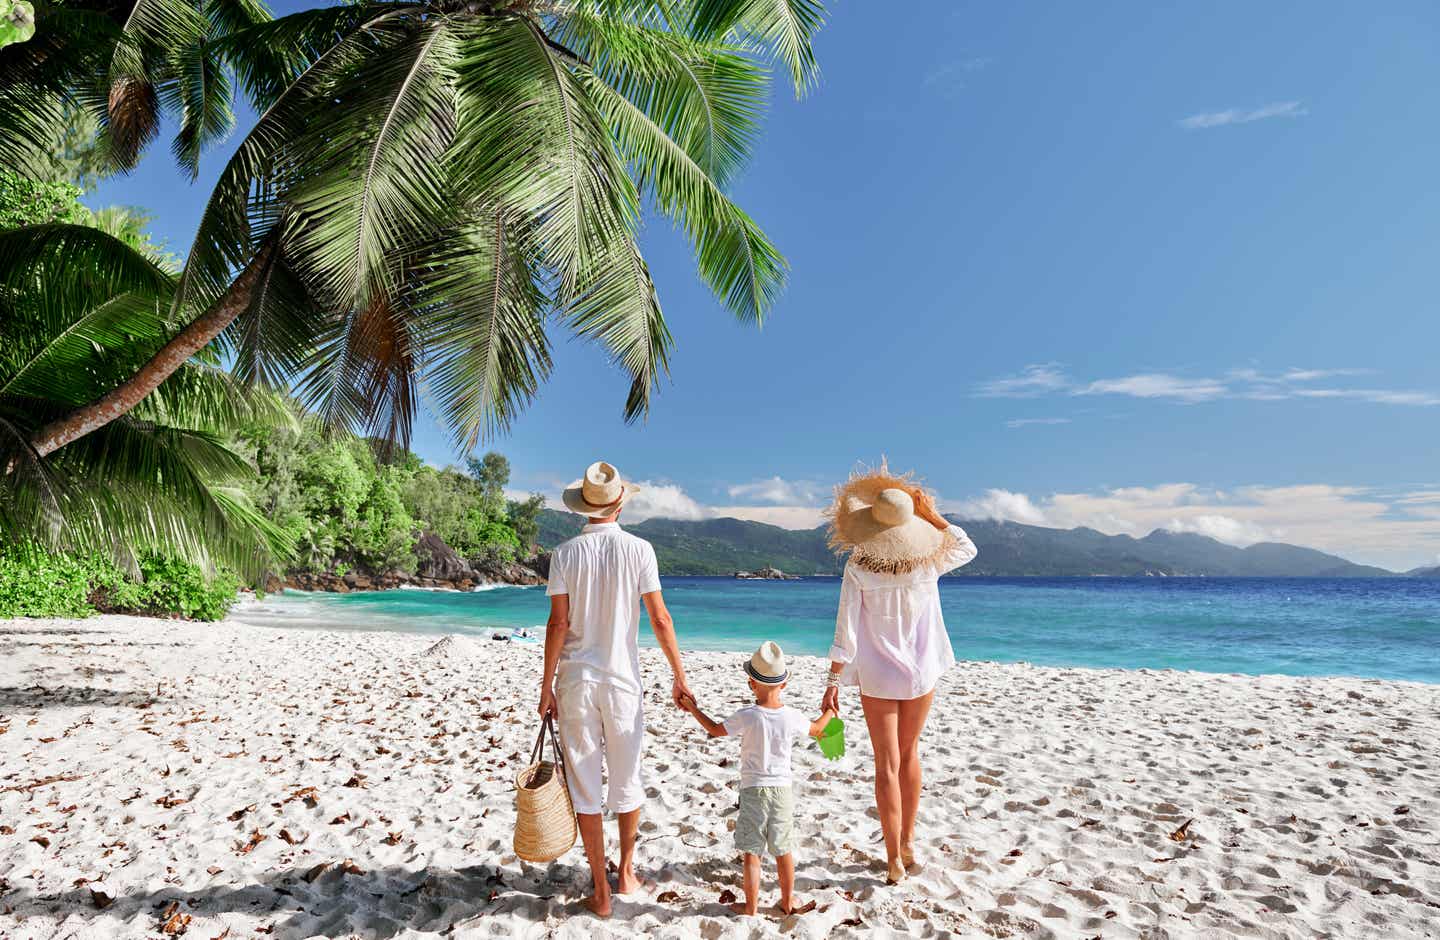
{"x":832,"y":740}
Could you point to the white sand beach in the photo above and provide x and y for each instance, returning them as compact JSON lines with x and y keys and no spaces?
{"x":234,"y":781}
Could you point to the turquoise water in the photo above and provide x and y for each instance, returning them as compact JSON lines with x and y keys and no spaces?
{"x":1385,"y":628}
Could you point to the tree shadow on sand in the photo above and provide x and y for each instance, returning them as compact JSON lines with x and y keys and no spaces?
{"x":339,"y":902}
{"x":34,"y":698}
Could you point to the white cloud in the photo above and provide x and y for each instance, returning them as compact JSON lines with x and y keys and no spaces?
{"x":1001,"y":505}
{"x":1396,"y":531}
{"x":778,"y":491}
{"x":663,"y":501}
{"x":1221,"y":528}
{"x":1209,"y":119}
{"x":1027,"y":422}
{"x":1157,"y":385}
{"x":1036,"y":381}
{"x":1032,"y":382}
{"x":1377,"y":396}
{"x":786,"y":517}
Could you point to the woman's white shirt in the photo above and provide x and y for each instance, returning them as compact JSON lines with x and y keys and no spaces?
{"x":889,"y":632}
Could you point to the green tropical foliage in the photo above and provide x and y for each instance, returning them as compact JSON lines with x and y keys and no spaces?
{"x":347,"y":507}
{"x":79,"y":306}
{"x":40,"y":584}
{"x":125,"y":69}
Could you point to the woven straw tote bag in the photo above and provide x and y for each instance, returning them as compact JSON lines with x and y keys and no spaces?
{"x":544,"y":816}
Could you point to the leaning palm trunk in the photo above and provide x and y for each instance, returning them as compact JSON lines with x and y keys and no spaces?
{"x":122,"y":399}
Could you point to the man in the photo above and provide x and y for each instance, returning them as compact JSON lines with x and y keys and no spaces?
{"x":592,"y":666}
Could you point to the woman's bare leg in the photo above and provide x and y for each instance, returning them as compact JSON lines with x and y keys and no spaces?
{"x":882,"y":717}
{"x":911,"y":722}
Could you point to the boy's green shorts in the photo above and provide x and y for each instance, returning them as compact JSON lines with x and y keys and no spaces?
{"x":766,"y":821}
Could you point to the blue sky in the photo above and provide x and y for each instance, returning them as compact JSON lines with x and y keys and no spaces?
{"x":1121,"y":265}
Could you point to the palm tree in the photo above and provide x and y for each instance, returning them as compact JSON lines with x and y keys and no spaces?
{"x":79,"y":307}
{"x":121,"y":68}
{"x":431,"y":185}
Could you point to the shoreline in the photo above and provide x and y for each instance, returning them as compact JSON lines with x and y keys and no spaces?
{"x":483,"y":634}
{"x":166,"y":762}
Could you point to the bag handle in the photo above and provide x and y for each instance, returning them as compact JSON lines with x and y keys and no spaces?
{"x":547,"y":725}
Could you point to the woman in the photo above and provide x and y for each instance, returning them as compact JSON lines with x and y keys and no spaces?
{"x":890,"y":637}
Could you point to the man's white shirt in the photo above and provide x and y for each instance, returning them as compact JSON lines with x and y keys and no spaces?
{"x":604,"y":570}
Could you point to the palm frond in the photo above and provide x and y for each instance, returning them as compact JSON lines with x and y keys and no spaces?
{"x":200,"y":93}
{"x":786,"y":27}
{"x":224,"y":238}
{"x":734,"y":256}
{"x":363,"y":374}
{"x":620,"y":311}
{"x":530,"y":139}
{"x":706,"y":96}
{"x":478,"y":293}
{"x":373,"y":176}
{"x":275,"y":334}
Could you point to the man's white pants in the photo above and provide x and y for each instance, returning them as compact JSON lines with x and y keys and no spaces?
{"x":601,"y":725}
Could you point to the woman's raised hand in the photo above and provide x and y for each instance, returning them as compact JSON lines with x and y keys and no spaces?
{"x":925,"y":508}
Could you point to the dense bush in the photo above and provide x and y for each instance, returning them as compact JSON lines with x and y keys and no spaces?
{"x":350,"y":505}
{"x":37,"y":584}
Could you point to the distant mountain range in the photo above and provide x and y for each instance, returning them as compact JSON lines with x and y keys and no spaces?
{"x":1431,"y":572}
{"x":1007,"y":549}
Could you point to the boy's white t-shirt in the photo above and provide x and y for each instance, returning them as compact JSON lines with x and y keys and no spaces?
{"x":765,"y":737}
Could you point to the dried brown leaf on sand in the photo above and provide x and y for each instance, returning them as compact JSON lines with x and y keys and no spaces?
{"x":175,"y":922}
{"x":394,"y":838}
{"x":668,"y":897}
{"x":317,"y":871}
{"x":100,"y":899}
{"x":1183,"y":833}
{"x":235,"y":816}
{"x":256,"y":838}
{"x":170,"y":801}
{"x":356,"y":781}
{"x":727,"y":896}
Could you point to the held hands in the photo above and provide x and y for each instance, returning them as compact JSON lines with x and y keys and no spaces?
{"x":681,"y":695}
{"x":831,"y":701}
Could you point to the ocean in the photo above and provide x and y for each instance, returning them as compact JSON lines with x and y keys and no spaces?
{"x":1381,"y":628}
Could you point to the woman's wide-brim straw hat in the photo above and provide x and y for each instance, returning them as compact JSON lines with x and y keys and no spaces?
{"x":600,"y":492}
{"x":873,"y":518}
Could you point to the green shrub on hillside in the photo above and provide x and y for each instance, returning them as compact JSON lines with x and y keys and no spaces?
{"x":38,"y":584}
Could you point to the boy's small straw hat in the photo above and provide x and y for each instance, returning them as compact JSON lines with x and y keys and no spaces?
{"x":601,"y":492}
{"x":873,"y":518}
{"x":767,"y":666}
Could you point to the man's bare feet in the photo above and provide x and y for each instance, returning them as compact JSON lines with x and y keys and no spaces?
{"x":599,"y":904}
{"x":794,"y":907}
{"x":895,"y":872}
{"x":627,"y":882}
{"x":740,"y":907}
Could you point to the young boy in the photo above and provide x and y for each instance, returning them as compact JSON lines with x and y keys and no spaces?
{"x":767,"y":805}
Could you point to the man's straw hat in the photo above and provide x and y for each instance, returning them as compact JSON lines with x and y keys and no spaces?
{"x":767,"y":666}
{"x":873,"y":518}
{"x":601,"y":492}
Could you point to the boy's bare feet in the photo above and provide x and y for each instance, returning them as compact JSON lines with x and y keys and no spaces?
{"x":740,"y":907}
